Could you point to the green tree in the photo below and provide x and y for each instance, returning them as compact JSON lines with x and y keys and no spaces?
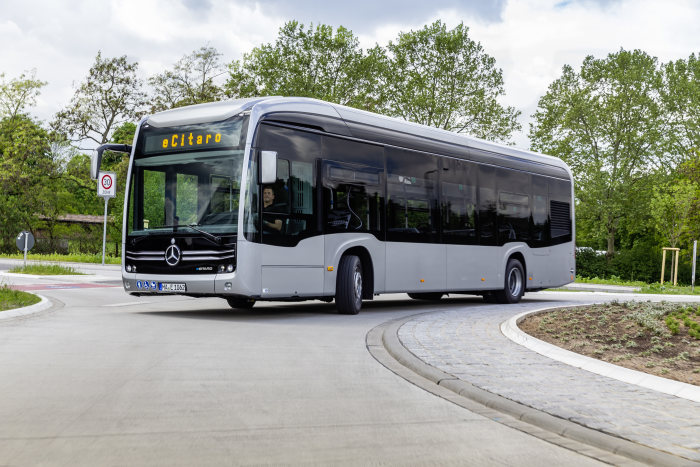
{"x":18,"y":93}
{"x":119,"y":163}
{"x":110,"y":95}
{"x":606,"y":121}
{"x":681,"y":98}
{"x":310,"y":62}
{"x":671,"y":207}
{"x":76,"y":180}
{"x":191,"y":81}
{"x":444,"y":79}
{"x":28,"y":177}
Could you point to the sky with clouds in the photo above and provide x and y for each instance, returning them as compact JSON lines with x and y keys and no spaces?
{"x":530,"y":39}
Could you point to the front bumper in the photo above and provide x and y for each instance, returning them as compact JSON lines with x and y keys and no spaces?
{"x":204,"y":285}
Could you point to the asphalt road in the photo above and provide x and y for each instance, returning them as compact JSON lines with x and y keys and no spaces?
{"x":103,"y":378}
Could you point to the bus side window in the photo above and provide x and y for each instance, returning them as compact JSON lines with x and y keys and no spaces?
{"x":352,"y":198}
{"x":458,"y":188}
{"x":275,"y":202}
{"x":513,"y":206}
{"x":412,"y":206}
{"x":540,"y":212}
{"x":295,"y":203}
{"x":487,"y":205}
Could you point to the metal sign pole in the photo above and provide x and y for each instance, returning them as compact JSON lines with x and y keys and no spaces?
{"x":26,"y":238}
{"x":695,"y":249}
{"x":104,"y":232}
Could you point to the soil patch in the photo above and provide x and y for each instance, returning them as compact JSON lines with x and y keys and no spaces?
{"x":662,"y":339}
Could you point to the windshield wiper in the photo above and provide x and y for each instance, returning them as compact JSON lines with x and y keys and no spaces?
{"x":210,"y":236}
{"x":136,"y":240}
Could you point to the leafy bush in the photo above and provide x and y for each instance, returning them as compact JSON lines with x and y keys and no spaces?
{"x":591,"y":263}
{"x":642,"y":262}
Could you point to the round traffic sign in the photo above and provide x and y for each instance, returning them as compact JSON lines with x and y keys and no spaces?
{"x":21,"y":238}
{"x":107,"y":181}
{"x":107,"y":184}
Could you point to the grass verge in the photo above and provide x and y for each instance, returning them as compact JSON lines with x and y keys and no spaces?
{"x":654,"y":288}
{"x":73,"y":258}
{"x":614,"y":280}
{"x":10,"y":298}
{"x":658,"y":338}
{"x":45,"y":270}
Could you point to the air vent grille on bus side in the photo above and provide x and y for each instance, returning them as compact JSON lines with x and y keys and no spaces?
{"x":560,"y":219}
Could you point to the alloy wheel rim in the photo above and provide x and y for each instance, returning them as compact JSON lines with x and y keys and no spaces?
{"x":357,"y":282}
{"x":515,"y":282}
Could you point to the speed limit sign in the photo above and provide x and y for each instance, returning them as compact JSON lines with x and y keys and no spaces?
{"x":107,"y":184}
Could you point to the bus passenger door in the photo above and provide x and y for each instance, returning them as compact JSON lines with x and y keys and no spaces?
{"x":292,"y":244}
{"x":353,"y":200}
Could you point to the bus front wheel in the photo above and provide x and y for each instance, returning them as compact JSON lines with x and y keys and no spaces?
{"x":348,"y":287}
{"x":514,"y":283}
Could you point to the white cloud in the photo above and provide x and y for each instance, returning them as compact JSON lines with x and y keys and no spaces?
{"x":537,"y":38}
{"x":531,"y":42}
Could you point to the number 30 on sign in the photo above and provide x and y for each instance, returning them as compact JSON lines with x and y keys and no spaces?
{"x":106,"y":184}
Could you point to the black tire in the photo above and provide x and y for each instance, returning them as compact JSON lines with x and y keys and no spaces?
{"x":430,"y":296}
{"x":241,"y":303}
{"x":348,"y":285}
{"x":513,"y":283}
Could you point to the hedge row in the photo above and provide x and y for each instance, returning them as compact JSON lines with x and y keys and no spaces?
{"x":640,"y":263}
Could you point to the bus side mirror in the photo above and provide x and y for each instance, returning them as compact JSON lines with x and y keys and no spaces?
{"x":95,"y":163}
{"x":96,"y":159}
{"x":268,"y":167}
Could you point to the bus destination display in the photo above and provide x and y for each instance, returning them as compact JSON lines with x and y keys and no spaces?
{"x":179,"y":139}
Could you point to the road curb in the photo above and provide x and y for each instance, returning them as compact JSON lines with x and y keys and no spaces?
{"x":384,"y":344}
{"x":44,"y":304}
{"x":510,"y":329}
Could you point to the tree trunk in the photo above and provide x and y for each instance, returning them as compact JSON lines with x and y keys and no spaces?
{"x":611,"y":243}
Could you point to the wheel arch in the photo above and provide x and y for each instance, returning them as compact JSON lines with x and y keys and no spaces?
{"x":367,"y":269}
{"x":520,"y":257}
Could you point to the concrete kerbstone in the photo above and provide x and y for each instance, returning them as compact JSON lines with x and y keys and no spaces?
{"x":511,"y":330}
{"x":435,"y":380}
{"x":44,"y":304}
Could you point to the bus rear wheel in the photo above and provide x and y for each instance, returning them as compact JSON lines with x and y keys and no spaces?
{"x":431,"y":296}
{"x":348,"y":286}
{"x":514,"y":283}
{"x":241,"y":303}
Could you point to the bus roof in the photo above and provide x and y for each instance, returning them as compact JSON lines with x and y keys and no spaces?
{"x":346,"y":118}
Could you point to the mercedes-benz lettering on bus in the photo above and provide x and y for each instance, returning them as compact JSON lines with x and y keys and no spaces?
{"x":294,"y":199}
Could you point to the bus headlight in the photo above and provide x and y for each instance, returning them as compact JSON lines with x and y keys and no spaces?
{"x":129,"y":268}
{"x":229,"y":268}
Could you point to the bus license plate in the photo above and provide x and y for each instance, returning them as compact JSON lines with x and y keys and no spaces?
{"x":170,"y":287}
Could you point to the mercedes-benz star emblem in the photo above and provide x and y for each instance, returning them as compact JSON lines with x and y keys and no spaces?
{"x":172,"y":255}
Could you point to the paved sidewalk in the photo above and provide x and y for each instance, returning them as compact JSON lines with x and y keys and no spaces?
{"x":469,"y":345}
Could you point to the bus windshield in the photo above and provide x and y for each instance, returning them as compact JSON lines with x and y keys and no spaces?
{"x":178,"y":186}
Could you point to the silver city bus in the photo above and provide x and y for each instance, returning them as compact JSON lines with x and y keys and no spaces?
{"x":297,"y":199}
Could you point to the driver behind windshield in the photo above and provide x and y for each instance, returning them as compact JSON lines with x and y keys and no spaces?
{"x":271,"y":223}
